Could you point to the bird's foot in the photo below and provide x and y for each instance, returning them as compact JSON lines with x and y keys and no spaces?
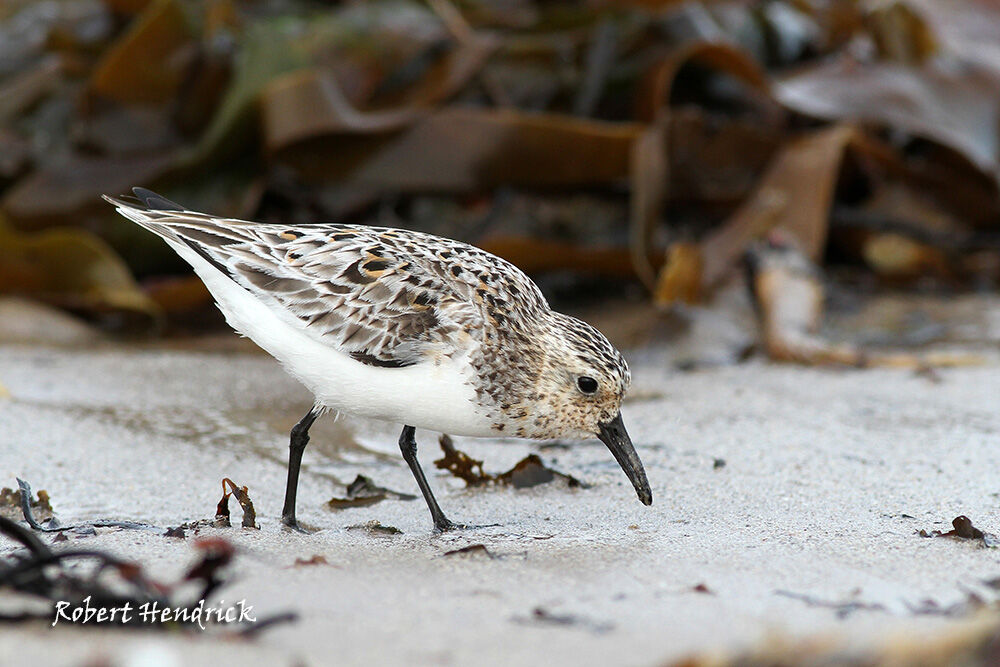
{"x":290,"y":522}
{"x":448,"y":526}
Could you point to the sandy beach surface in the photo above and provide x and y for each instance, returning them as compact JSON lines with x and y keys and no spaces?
{"x":787,"y":502}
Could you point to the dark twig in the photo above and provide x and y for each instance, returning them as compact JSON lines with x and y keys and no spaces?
{"x":266,"y":623}
{"x":29,"y":516}
{"x":17,"y":532}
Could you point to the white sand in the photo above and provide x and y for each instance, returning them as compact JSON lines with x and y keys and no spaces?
{"x":821,"y":467}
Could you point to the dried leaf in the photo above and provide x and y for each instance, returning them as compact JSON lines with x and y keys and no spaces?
{"x":958,"y":109}
{"x":528,"y":472}
{"x":460,"y":464}
{"x":794,"y":196}
{"x":534,"y":255}
{"x":900,"y":33}
{"x":10,"y":504}
{"x":72,"y":269}
{"x":316,"y":559}
{"x":127,"y":7}
{"x":142,"y":66}
{"x":898,"y":257}
{"x":471,"y":550}
{"x":267,"y":50}
{"x":969,"y":31}
{"x":658,"y":86}
{"x":375,"y":527}
{"x":307,"y":103}
{"x":222,"y":516}
{"x":363,"y":492}
{"x":543,"y":617}
{"x":56,"y":193}
{"x":963,"y":529}
{"x":469,"y":149}
{"x":243,"y":497}
{"x":718,"y":161}
{"x":649,"y":172}
{"x":181,"y":294}
{"x":680,"y":279}
{"x":24,"y":89}
{"x":788,"y":297}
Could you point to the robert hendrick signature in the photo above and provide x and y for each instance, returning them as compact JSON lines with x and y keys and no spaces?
{"x":153,"y":612}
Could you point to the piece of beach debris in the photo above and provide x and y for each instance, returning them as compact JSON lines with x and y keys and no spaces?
{"x":971,"y":643}
{"x":222,"y":514}
{"x":460,"y":464}
{"x":243,"y":498}
{"x":10,"y":504}
{"x":53,"y":525}
{"x":788,"y":295}
{"x":95,"y":584}
{"x":529,"y":471}
{"x":375,"y":527}
{"x":316,"y":559}
{"x":970,"y":604}
{"x":216,"y":553}
{"x":843,"y":608}
{"x":542,"y":616}
{"x":363,"y":492}
{"x":963,"y":529}
{"x":471,"y":550}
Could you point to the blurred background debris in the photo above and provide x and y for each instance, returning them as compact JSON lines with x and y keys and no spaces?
{"x":639,"y":158}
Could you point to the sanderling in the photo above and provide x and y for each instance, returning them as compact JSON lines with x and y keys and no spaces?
{"x":405,"y":327}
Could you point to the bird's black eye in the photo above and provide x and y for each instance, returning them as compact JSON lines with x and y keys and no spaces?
{"x":587,"y":385}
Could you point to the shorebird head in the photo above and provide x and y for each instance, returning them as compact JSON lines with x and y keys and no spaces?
{"x":583,"y":381}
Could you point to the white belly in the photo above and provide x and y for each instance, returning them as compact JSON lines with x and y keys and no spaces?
{"x":433,"y":396}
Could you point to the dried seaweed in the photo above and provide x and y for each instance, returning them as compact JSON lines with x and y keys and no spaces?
{"x":375,"y":527}
{"x":10,"y":504}
{"x":243,"y":498}
{"x":543,"y":617}
{"x":316,"y":559}
{"x":363,"y":492}
{"x":471,"y":550}
{"x":526,"y":473}
{"x":964,"y":530}
{"x":110,"y":583}
{"x":530,"y":471}
{"x":53,"y":525}
{"x":699,"y":141}
{"x":973,"y":644}
{"x":843,"y":608}
{"x":460,"y":464}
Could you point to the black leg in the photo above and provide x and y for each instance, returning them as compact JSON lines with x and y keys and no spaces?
{"x":297,"y":444}
{"x":408,"y":445}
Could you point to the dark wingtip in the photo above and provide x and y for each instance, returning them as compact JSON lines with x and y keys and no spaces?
{"x":155,"y":202}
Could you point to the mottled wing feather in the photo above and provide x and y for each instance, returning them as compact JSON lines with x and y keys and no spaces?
{"x":381,"y":295}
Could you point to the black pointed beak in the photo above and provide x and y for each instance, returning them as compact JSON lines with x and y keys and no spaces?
{"x":614,"y":435}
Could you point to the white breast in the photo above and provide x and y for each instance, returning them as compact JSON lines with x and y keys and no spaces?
{"x":436,"y":396}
